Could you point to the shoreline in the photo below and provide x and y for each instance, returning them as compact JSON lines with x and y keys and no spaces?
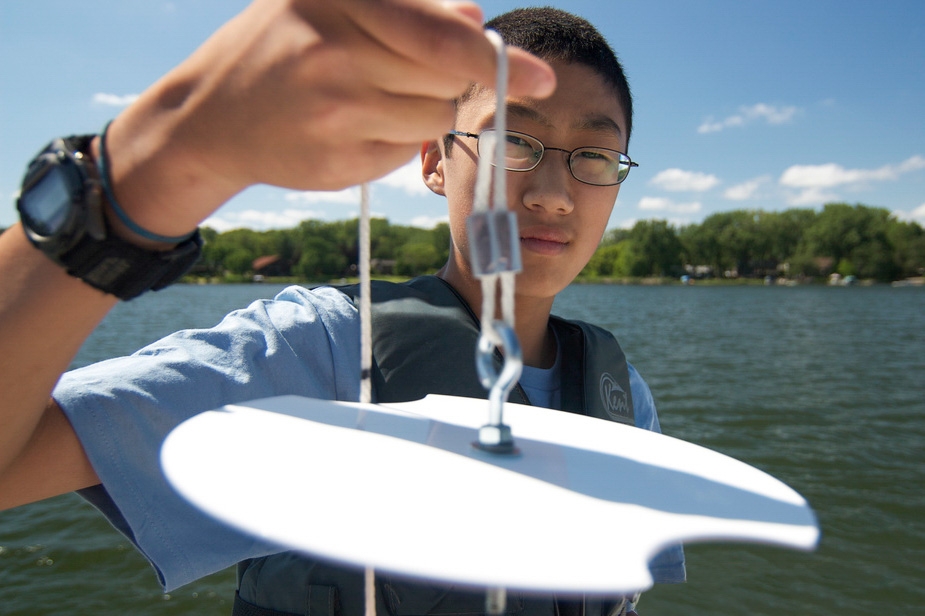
{"x":651,"y":281}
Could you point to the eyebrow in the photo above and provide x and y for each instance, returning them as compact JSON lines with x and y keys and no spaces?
{"x":599,"y":122}
{"x":595,"y":122}
{"x":527,"y":113}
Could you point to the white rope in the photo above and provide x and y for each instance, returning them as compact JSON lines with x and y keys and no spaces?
{"x":370,"y":589}
{"x":503,"y":251}
{"x":491,"y":194}
{"x":366,"y":336}
{"x":366,"y":354}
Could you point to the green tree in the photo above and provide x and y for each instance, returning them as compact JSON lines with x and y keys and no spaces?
{"x":441,"y":240}
{"x":417,"y":258}
{"x":656,"y":249}
{"x":700,"y":245}
{"x":628,"y":263}
{"x":233,"y":251}
{"x":857,"y":238}
{"x":908,"y":240}
{"x":320,"y":259}
{"x":603,"y":262}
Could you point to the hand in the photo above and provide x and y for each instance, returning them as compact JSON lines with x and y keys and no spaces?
{"x":304,"y":94}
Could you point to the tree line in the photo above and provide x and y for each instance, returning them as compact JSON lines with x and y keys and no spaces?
{"x":318,"y":251}
{"x":851,"y":240}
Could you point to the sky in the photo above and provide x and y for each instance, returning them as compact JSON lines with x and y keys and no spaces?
{"x":739,"y":104}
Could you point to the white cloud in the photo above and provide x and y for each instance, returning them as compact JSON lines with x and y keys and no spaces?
{"x":745,"y":190}
{"x":813,"y":180}
{"x":661,"y":204}
{"x":771,"y":114}
{"x":428,"y":222}
{"x":916,"y":215}
{"x":114,"y":100}
{"x":680,"y":180}
{"x":406,"y":178}
{"x":811,"y":196}
{"x":913,"y":163}
{"x":627,"y":223}
{"x":259,"y":220}
{"x":348,"y":195}
{"x":832,"y":174}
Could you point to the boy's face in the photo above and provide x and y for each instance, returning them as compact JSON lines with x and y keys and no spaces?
{"x":561,"y":219}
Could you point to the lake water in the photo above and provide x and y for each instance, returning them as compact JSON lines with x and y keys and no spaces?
{"x":822,"y":387}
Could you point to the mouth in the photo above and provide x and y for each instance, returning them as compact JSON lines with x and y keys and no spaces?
{"x":544,"y":241}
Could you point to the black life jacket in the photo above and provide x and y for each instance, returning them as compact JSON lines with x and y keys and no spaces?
{"x":424,"y":340}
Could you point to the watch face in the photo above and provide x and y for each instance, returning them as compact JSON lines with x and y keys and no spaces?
{"x":46,"y":203}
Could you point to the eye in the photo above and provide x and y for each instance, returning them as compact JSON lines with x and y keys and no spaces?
{"x":517,"y":142}
{"x":596,"y":155}
{"x":521,"y":151}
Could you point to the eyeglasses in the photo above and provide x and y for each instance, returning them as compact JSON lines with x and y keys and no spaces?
{"x":595,"y":166}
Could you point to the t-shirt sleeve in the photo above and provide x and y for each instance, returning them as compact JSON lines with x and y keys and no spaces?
{"x":302,"y":343}
{"x":668,"y":566}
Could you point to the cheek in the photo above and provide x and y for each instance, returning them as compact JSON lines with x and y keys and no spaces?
{"x":599,"y":204}
{"x":460,"y":191}
{"x":459,"y":206}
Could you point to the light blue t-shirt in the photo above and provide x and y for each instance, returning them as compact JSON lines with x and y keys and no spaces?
{"x":302,"y":343}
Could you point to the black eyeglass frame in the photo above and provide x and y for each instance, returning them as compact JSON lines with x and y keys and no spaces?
{"x":620,"y":155}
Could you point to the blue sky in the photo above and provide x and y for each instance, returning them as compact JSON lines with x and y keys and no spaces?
{"x":740,"y":104}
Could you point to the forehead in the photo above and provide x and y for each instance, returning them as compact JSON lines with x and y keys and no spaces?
{"x":583,"y":102}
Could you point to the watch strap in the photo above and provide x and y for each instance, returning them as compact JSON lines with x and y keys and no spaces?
{"x":88,"y":249}
{"x":122,"y":269}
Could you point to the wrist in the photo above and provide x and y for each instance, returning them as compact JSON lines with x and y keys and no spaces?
{"x":156,"y":175}
{"x":112,"y":205}
{"x":62,"y":211}
{"x":118,"y":221}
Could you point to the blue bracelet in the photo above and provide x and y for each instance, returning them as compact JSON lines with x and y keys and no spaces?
{"x":105,"y":181}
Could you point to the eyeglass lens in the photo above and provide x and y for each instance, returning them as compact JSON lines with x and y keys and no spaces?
{"x":598,"y":166}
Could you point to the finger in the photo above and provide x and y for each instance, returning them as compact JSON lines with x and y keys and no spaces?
{"x":401,"y":76}
{"x":398,"y":75}
{"x":445,"y":40}
{"x":470,"y":10}
{"x":390,"y":157}
{"x":409,"y":119}
{"x":528,"y":75}
{"x":380,"y":116}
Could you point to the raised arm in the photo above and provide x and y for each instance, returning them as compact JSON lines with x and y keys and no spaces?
{"x":305,"y":94}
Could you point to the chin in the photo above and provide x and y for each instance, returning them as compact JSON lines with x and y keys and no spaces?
{"x":533,"y":284}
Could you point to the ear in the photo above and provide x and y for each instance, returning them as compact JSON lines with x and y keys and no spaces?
{"x":432,"y":167}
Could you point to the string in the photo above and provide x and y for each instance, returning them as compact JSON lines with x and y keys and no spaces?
{"x":491,"y":194}
{"x":366,"y":341}
{"x":366,"y":355}
{"x":502,"y":264}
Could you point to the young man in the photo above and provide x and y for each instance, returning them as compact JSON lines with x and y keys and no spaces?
{"x":310,"y":94}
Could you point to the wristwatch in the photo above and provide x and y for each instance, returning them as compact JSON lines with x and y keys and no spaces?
{"x":61,"y":208}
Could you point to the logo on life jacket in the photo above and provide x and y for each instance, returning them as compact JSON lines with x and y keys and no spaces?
{"x":614,"y":398}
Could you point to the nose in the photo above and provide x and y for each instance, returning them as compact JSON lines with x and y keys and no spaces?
{"x":549,"y":186}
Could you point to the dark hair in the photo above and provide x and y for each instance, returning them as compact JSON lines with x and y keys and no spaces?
{"x":556,"y":35}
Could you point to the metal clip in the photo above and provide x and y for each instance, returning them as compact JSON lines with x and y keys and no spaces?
{"x":494,"y":242}
{"x":495,"y":436}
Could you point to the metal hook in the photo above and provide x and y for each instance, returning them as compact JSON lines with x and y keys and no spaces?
{"x":495,"y":436}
